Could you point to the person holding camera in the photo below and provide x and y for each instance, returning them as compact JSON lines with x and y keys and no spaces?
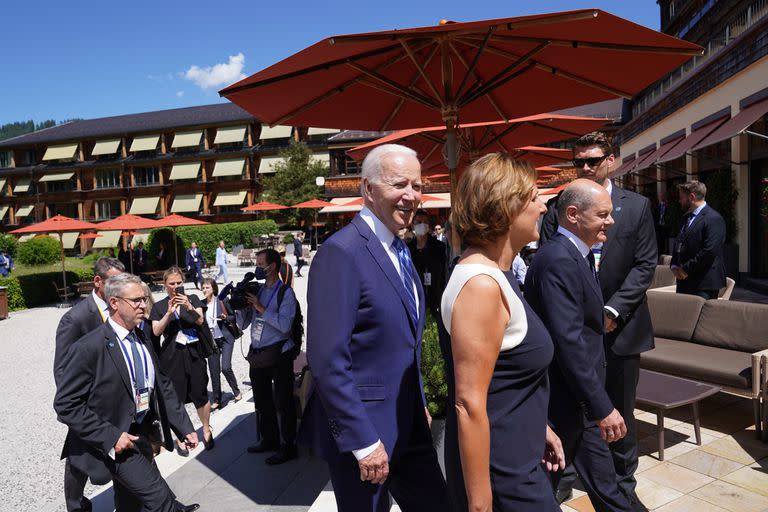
{"x":217,"y":316}
{"x":270,"y":314}
{"x":185,"y":344}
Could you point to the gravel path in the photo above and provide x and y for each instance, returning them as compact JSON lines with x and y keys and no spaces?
{"x":30,"y":437}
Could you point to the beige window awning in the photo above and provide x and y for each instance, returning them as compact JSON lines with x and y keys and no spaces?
{"x":323,"y":131}
{"x":185,"y":171}
{"x":323,"y":156}
{"x":107,"y":239}
{"x":187,"y":139}
{"x":144,"y":206}
{"x":267,"y":165}
{"x":186,"y":203}
{"x":275,"y":132}
{"x":60,"y":152}
{"x":230,"y":134}
{"x":69,"y":239}
{"x":22,"y":185}
{"x":230,"y":198}
{"x":228,"y":167}
{"x":57,"y":177}
{"x":105,"y":147}
{"x":23,"y":211}
{"x":27,"y":237}
{"x":3,"y":211}
{"x":145,"y":143}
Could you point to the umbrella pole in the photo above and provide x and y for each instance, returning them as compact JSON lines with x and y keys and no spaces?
{"x":130,"y":252}
{"x":451,"y":154}
{"x":175,"y":248}
{"x":63,"y":270}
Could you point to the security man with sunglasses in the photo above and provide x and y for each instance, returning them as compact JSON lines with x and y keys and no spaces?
{"x":625,"y":264}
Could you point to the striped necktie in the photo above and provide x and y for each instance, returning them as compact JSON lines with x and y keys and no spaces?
{"x":406,"y":275}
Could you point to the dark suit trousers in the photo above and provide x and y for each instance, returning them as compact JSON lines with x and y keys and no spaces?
{"x":137,"y":481}
{"x":268,"y":405}
{"x":415,"y":480}
{"x":74,"y":485}
{"x":591,"y":458}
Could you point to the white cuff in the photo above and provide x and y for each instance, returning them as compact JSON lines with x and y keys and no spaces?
{"x":112,"y":453}
{"x":612,"y":311}
{"x":364,"y":452}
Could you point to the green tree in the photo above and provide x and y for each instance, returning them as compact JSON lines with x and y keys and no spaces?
{"x":294,"y":180}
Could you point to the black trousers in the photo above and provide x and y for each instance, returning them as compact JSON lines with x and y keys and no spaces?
{"x":221,"y":363}
{"x":299,"y":263}
{"x":138,"y":484}
{"x":269,"y":405}
{"x":74,"y":486}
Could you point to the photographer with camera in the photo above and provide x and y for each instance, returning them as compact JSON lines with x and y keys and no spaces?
{"x":185,"y":345}
{"x":270,"y":312}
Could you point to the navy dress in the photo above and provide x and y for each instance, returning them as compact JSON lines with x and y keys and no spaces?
{"x":518,"y":398}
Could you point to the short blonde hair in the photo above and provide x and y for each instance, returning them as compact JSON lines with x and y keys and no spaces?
{"x":489,"y":196}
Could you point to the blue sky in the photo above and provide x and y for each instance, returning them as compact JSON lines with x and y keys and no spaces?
{"x":92,"y":59}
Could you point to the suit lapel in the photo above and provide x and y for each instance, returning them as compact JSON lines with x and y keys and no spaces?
{"x":385,"y":264}
{"x":697,"y":222}
{"x":581,"y":263}
{"x":617,"y":198}
{"x":115,"y":353}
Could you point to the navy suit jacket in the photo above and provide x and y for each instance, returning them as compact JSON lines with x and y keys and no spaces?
{"x":700,"y":253}
{"x":562,"y":290}
{"x":190,"y":260}
{"x":363,"y":348}
{"x":627,"y":265}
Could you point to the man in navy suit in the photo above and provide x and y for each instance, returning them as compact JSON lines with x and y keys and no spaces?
{"x":367,"y":416}
{"x":562,"y":286}
{"x":697,"y":260}
{"x":195,"y":263}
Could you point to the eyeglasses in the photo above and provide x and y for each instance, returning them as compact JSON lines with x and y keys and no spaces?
{"x":591,"y":162}
{"x":136,"y":302}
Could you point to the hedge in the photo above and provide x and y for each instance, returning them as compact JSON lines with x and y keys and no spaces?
{"x":208,"y":236}
{"x":34,"y":290}
{"x":40,"y":250}
{"x":433,"y":369}
{"x":9,"y":244}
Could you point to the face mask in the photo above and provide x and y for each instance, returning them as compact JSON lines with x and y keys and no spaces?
{"x":421,"y":229}
{"x":259,"y":274}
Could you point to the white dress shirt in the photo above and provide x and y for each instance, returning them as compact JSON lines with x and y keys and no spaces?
{"x":103,"y":306}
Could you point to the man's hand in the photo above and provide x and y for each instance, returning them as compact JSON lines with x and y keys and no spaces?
{"x":255,"y":302}
{"x":679,"y":273}
{"x":125,"y":442}
{"x":610,"y":323}
{"x":612,"y":427}
{"x":429,"y":417}
{"x":554,"y":456}
{"x":375,"y":467}
{"x":191,"y":440}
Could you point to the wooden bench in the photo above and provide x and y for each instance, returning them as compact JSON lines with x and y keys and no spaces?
{"x":153,"y":278}
{"x":83,"y":287}
{"x":61,"y":292}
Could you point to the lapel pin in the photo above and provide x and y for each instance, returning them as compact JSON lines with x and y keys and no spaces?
{"x":618,"y":208}
{"x":111,"y":344}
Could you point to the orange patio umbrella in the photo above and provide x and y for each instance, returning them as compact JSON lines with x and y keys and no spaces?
{"x":359,"y":201}
{"x":128,"y":224}
{"x":315,"y":204}
{"x":264,"y":206}
{"x":58,"y":224}
{"x":173,"y":221}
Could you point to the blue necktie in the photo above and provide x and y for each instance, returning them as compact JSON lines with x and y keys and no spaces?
{"x":406,"y":275}
{"x":138,"y":364}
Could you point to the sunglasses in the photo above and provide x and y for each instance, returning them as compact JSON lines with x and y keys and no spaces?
{"x":591,"y":162}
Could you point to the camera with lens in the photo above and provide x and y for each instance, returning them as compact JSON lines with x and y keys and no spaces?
{"x":237,"y":292}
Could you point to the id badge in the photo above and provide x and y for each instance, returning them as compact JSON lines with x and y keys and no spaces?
{"x":142,"y":400}
{"x":258,"y":330}
{"x":427,"y":279}
{"x":181,"y":338}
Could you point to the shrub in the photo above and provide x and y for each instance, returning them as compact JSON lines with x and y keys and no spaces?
{"x":40,"y":250}
{"x":433,"y":369}
{"x":32,"y":290}
{"x":9,"y":244}
{"x":15,"y":297}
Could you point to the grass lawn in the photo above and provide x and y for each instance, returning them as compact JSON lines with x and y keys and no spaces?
{"x":69,"y":263}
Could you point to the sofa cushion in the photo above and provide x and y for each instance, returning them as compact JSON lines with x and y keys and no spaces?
{"x":662,"y":276}
{"x":700,"y":362}
{"x":674,"y":315}
{"x":733,"y":325}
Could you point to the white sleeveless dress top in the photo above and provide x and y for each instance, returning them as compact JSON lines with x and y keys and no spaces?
{"x":517,"y":327}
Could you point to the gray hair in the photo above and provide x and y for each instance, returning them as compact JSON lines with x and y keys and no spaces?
{"x":372,"y":163}
{"x":580,"y":197}
{"x":116,"y":284}
{"x":104,"y":264}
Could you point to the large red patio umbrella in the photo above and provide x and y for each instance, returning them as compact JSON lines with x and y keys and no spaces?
{"x":359,"y":201}
{"x":314,"y":204}
{"x":128,"y":224}
{"x":173,"y":221}
{"x":264,"y":206}
{"x":476,"y":139}
{"x":58,"y":224}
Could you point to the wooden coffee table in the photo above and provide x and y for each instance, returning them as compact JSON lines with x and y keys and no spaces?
{"x":665,"y":392}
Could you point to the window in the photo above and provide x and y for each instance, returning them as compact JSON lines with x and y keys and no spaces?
{"x":105,"y":210}
{"x":145,"y":176}
{"x":108,"y":178}
{"x":30,"y":157}
{"x":234,"y":208}
{"x":61,"y":186}
{"x":5,"y":159}
{"x":66,"y":209}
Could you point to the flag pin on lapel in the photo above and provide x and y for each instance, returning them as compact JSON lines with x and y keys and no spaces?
{"x":618,"y":208}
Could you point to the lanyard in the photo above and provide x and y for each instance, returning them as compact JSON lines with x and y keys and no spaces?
{"x":272,"y":296}
{"x":103,"y":317}
{"x":130,"y":364}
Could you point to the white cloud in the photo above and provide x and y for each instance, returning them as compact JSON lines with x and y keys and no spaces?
{"x":179,"y":94}
{"x":218,"y":74}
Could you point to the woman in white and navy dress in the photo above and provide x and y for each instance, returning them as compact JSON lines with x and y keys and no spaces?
{"x":498,"y":446}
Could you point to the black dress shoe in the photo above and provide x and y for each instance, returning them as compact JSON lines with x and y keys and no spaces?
{"x":209,"y":443}
{"x":187,"y":508}
{"x":563,"y":495}
{"x":183,"y":451}
{"x":263,"y":447}
{"x":636,"y":504}
{"x":284,"y":454}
